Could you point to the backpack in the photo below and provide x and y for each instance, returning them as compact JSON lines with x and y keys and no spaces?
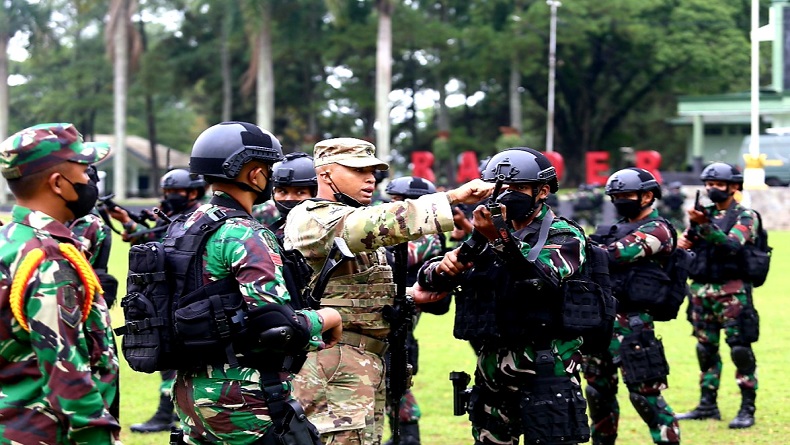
{"x":153,"y":291}
{"x":756,"y":257}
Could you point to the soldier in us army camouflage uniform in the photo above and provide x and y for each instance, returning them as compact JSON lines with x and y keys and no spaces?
{"x":720,"y":299}
{"x":343,"y":388}
{"x":640,"y":236}
{"x":519,"y":352}
{"x":58,"y":369}
{"x":222,"y":403}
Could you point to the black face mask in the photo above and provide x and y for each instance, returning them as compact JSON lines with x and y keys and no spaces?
{"x":87,"y":194}
{"x":718,"y":195}
{"x":628,"y":208}
{"x":175,"y":203}
{"x":264,"y":194}
{"x":286,"y":206}
{"x":520,"y":206}
{"x":342,"y":197}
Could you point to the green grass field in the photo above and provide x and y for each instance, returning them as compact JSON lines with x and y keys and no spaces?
{"x":440,"y":353}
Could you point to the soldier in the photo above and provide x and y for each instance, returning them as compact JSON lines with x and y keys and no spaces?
{"x":673,"y":203}
{"x":182,"y":193}
{"x":720,"y":298}
{"x":419,"y":251}
{"x":266,"y":213}
{"x":238,"y":403}
{"x":59,"y":370}
{"x":505,"y":307}
{"x":640,"y":241}
{"x":347,"y":406}
{"x":294,"y":181}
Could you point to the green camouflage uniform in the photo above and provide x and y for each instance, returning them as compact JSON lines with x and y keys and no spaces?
{"x":717,"y":306}
{"x":505,"y":370}
{"x":89,"y":232}
{"x":266,"y":213}
{"x":226,"y":404}
{"x":343,"y":388}
{"x":58,"y":380}
{"x":653,"y":238}
{"x":58,"y":368}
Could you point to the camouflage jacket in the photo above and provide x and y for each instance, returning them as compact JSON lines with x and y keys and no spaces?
{"x":242,"y":247}
{"x":89,"y":231}
{"x":313,"y":225}
{"x":266,"y":213}
{"x":743,"y":231}
{"x":651,"y":239}
{"x":59,"y":377}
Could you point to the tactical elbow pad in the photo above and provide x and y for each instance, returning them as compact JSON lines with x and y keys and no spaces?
{"x":276,"y":327}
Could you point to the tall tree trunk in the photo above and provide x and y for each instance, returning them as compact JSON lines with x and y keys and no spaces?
{"x":516,"y":119}
{"x":120,"y":85}
{"x":265,"y":75}
{"x":383,"y":77}
{"x":227,"y":79}
{"x":4,"y":106}
{"x":150,"y":118}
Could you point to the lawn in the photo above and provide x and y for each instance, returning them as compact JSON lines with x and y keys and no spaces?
{"x":440,"y":353}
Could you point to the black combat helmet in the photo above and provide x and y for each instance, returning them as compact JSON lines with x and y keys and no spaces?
{"x":410,"y":187}
{"x":633,"y":179}
{"x":720,"y":171}
{"x":519,"y":165}
{"x":222,"y":150}
{"x":180,"y":178}
{"x":295,"y":171}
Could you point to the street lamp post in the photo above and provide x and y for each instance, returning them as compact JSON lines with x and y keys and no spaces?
{"x":554,"y":4}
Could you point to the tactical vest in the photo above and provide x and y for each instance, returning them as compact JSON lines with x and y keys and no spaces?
{"x":716,"y":264}
{"x":653,"y":285}
{"x":495,"y":305}
{"x":361,"y":295}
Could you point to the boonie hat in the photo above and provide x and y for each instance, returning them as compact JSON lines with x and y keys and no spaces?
{"x":349,"y":152}
{"x":42,"y":146}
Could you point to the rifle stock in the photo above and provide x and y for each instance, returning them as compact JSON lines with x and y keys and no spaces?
{"x":337,"y":256}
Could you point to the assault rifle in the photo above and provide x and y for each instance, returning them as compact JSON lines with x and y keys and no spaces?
{"x":105,"y":203}
{"x":400,"y":317}
{"x":337,"y":256}
{"x":477,"y":242}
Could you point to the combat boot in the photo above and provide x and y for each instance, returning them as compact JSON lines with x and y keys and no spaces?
{"x":409,"y":434}
{"x":745,"y":417}
{"x":707,"y":408}
{"x":162,"y":420}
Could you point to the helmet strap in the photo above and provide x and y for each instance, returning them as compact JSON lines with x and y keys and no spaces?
{"x":342,"y":197}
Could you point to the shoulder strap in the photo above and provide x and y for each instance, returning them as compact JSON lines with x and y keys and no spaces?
{"x":545,"y":225}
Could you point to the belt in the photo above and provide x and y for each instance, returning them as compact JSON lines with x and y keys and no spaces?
{"x":365,"y":342}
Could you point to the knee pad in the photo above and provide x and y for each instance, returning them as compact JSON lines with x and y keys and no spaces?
{"x":743,"y":358}
{"x":648,"y":413}
{"x":706,"y":355}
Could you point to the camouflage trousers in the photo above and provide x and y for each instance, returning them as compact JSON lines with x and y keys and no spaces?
{"x":715,"y":308}
{"x":409,"y":411}
{"x":600,"y":371}
{"x":166,"y":387}
{"x":343,"y":392}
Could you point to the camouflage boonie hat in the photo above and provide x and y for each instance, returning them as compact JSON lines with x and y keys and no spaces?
{"x":44,"y":145}
{"x":349,"y":152}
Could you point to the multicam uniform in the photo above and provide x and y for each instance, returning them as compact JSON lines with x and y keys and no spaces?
{"x":343,"y":388}
{"x":653,"y":239}
{"x":226,"y":404}
{"x":717,"y":306}
{"x":58,"y":369}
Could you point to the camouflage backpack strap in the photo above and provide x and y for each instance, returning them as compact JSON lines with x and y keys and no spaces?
{"x":30,"y":263}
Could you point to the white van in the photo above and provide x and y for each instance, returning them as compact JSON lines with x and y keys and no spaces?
{"x":776,"y":147}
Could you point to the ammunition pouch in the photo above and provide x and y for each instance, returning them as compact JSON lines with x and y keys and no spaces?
{"x":714,"y":265}
{"x":553,"y":411}
{"x":643,"y":359}
{"x":748,"y":323}
{"x":755,"y":263}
